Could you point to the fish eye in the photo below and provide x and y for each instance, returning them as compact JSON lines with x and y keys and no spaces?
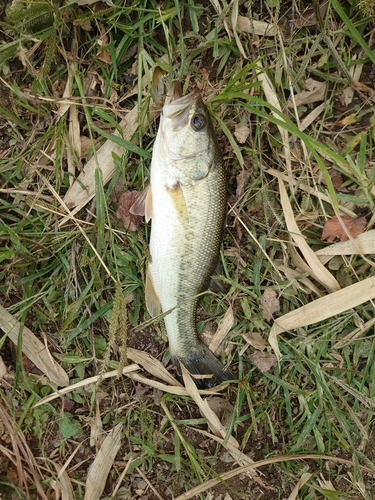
{"x":198,"y":121}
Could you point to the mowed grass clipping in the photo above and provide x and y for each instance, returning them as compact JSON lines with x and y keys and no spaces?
{"x":90,"y":406}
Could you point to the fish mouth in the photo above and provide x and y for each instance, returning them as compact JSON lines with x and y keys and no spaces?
{"x":177,"y":107}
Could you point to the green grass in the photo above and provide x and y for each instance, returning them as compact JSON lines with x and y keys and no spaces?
{"x":77,"y":283}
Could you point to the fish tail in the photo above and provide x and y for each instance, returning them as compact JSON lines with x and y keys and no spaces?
{"x":209,"y":370}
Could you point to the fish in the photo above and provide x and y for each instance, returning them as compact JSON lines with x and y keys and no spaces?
{"x":186,"y":202}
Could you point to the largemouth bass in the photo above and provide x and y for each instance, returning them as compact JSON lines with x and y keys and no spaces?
{"x":187,"y":205}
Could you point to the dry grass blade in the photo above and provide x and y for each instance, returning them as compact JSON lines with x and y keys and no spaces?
{"x":271,"y":96}
{"x":83,"y":383}
{"x":310,"y":190}
{"x":292,"y":274}
{"x":234,"y":18}
{"x":323,"y":308}
{"x":240,"y":470}
{"x":83,"y":188}
{"x":311,"y":117}
{"x":33,"y":348}
{"x":355,"y":72}
{"x":177,"y":389}
{"x":364,"y":243}
{"x":171,"y":389}
{"x":256,"y":27}
{"x":354,"y":335}
{"x":73,"y":148}
{"x":63,"y":485}
{"x":302,"y":481}
{"x":64,"y":106}
{"x":237,"y":455}
{"x":317,"y":268}
{"x":152,"y":365}
{"x":100,"y":468}
{"x":149,"y":484}
{"x":23,"y":458}
{"x":212,"y":419}
{"x":223,"y":329}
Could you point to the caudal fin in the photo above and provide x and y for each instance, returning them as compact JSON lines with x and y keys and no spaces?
{"x":209,"y":370}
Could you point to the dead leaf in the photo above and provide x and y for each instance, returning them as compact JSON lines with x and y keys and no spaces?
{"x":126,"y":201}
{"x":361,"y":87}
{"x":256,"y":27}
{"x":333,"y":229}
{"x":98,"y":472}
{"x":223,"y":409}
{"x":241,"y":133}
{"x":308,"y":16}
{"x":104,"y":56}
{"x":314,"y":91}
{"x":242,"y":181}
{"x":269,"y":303}
{"x":33,"y":348}
{"x":256,"y":340}
{"x":336,"y":178}
{"x":86,"y":144}
{"x":96,"y":429}
{"x":348,"y":120}
{"x":263,"y":360}
{"x":217,"y":405}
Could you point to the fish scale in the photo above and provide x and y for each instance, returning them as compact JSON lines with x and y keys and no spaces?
{"x":188,"y":208}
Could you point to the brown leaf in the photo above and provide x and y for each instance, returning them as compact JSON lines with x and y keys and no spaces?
{"x":333,"y":229}
{"x":104,"y":56}
{"x":361,"y":87}
{"x":241,"y":133}
{"x":263,"y":360}
{"x":256,"y":340}
{"x":131,"y":221}
{"x":308,"y":16}
{"x":269,"y":303}
{"x":242,"y":181}
{"x":314,"y":91}
{"x":217,"y":405}
{"x":336,"y":178}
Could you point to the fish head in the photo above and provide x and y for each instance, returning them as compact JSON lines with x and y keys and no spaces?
{"x":187,"y":134}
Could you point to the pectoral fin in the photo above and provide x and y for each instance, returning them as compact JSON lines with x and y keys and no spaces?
{"x":143,"y":204}
{"x":179,"y":202}
{"x":152,"y":299}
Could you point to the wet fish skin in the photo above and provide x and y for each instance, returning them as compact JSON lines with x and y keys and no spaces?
{"x":187,"y":204}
